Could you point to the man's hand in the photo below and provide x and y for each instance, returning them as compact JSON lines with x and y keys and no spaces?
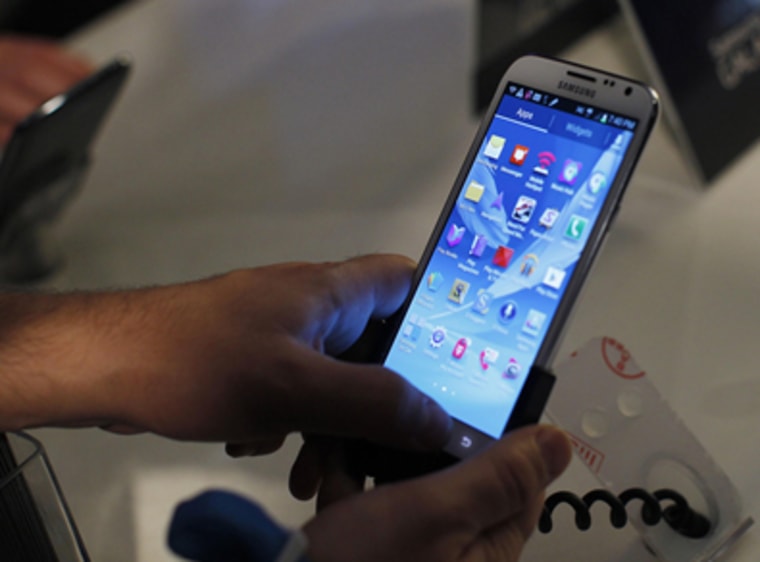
{"x":481,"y":510}
{"x":243,"y":358}
{"x":33,"y":70}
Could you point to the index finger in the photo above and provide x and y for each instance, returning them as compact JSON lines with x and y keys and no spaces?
{"x":364,"y":401}
{"x":372,"y":286}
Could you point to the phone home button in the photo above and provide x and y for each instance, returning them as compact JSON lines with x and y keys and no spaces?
{"x":465,"y":442}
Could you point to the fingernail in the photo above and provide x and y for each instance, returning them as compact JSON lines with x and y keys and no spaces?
{"x":555,"y":450}
{"x":434,"y":424}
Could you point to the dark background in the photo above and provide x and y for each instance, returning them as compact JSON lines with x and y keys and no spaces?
{"x":508,"y":29}
{"x":51,"y":18}
{"x":720,"y":123}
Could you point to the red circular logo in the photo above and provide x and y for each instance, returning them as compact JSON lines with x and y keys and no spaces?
{"x":619,"y":359}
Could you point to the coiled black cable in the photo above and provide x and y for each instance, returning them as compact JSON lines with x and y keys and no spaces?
{"x":678,"y":515}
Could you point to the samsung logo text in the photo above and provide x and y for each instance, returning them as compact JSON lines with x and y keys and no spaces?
{"x":576,"y":89}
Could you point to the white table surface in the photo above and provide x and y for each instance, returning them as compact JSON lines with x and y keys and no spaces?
{"x":255,"y":131}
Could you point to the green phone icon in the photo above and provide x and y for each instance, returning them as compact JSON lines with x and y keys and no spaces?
{"x":575,"y":227}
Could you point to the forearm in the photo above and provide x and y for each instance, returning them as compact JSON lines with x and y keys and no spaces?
{"x":158,"y":359}
{"x":62,"y":358}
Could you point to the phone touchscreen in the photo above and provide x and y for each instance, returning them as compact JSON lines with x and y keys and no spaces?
{"x":507,"y":253}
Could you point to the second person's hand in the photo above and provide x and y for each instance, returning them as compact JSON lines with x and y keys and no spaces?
{"x":33,"y":70}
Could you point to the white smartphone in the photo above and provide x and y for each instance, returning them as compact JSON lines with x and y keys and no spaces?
{"x":525,"y":219}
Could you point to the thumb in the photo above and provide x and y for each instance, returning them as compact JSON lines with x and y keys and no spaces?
{"x":509,"y":478}
{"x":480,"y":509}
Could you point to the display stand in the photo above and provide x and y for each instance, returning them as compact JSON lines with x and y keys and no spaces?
{"x":35,"y":524}
{"x":628,"y":436}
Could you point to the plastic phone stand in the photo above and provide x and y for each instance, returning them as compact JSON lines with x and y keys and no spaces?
{"x":35,"y":523}
{"x":629,"y":437}
{"x":28,"y":252}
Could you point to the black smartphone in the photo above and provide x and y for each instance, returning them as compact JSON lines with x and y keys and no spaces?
{"x":522,"y":225}
{"x":55,"y":140}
